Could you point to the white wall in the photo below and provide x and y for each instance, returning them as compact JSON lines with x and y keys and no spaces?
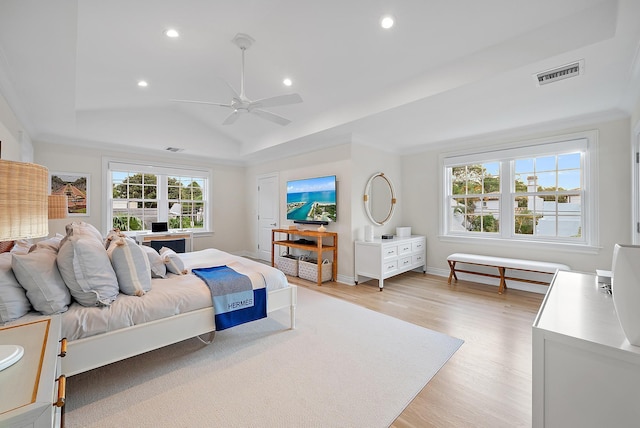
{"x":353,"y":164}
{"x":334,"y":160}
{"x":10,"y":134}
{"x":366,"y":162}
{"x":421,"y":180}
{"x":229,"y":201}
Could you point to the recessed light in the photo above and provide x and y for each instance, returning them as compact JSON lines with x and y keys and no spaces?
{"x":172,"y":33}
{"x":387,"y":21}
{"x":142,"y":83}
{"x":287,"y":82}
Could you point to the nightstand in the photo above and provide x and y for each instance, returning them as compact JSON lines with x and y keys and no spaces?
{"x":32,"y":390}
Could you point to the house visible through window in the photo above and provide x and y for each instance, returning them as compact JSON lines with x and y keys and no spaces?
{"x":144,"y":194}
{"x":533,"y":192}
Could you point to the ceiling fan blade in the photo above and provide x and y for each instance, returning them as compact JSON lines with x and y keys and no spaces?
{"x":231,"y":118}
{"x":271,"y":117}
{"x":203,"y":102}
{"x":279,"y":100}
{"x":233,"y":91}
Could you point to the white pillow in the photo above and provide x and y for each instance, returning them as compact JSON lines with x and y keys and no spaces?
{"x":173,"y":262}
{"x":158,"y":268}
{"x":13,"y":300}
{"x":86,"y":269}
{"x":37,"y":272}
{"x":52,"y":243}
{"x":131,"y":265}
{"x":78,"y":228}
{"x":21,"y":246}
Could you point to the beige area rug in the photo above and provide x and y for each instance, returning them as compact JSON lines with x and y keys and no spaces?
{"x":343,"y":366}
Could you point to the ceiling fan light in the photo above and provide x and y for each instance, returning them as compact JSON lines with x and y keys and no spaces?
{"x":143,"y":83}
{"x":287,"y":82}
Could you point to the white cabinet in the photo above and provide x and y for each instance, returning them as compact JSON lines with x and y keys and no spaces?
{"x":384,"y":258}
{"x":585,"y":372}
{"x":32,"y":390}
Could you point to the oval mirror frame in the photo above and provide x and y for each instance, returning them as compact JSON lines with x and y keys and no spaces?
{"x":368,"y":199}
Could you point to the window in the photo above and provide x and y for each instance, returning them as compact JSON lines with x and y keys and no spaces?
{"x":141,"y":194}
{"x":533,"y":192}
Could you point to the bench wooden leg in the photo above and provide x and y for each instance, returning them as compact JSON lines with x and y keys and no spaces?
{"x":452,"y":274}
{"x":503,"y":283}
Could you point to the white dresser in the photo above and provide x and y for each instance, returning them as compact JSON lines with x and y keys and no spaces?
{"x":585,"y":372}
{"x":384,"y":258}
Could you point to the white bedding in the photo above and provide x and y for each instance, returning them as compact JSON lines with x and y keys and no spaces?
{"x":170,"y":296}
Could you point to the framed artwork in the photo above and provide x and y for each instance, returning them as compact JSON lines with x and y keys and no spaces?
{"x":75,"y":186}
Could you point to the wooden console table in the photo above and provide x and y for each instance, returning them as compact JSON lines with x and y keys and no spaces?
{"x":319,"y":247}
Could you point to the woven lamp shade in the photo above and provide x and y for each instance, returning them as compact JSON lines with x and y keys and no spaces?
{"x":23,"y":200}
{"x":57,"y":206}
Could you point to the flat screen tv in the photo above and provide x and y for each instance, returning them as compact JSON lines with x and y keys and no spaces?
{"x":312,"y":200}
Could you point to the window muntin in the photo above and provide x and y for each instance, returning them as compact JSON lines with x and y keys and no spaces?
{"x":548,"y":200}
{"x":134,"y":200}
{"x":186,"y":205}
{"x":546,"y":193}
{"x":142,"y":194}
{"x":475,"y":197}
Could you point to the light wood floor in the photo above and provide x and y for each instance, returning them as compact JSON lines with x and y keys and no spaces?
{"x":487,"y":382}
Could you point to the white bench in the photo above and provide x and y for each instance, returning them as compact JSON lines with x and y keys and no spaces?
{"x":502,"y":264}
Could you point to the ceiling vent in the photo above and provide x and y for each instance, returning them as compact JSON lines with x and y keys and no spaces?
{"x":174,"y":149}
{"x":559,"y":73}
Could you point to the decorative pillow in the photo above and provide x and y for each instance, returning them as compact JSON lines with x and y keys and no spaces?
{"x":78,"y":228}
{"x":21,"y":246}
{"x":13,"y":300}
{"x":38,"y":273}
{"x":172,"y":261}
{"x":111,"y":235}
{"x":158,"y":268}
{"x":5,"y":246}
{"x":131,"y":265}
{"x":52,"y":243}
{"x":86,"y":269}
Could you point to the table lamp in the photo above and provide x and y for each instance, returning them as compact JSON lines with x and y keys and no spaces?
{"x":23,"y":215}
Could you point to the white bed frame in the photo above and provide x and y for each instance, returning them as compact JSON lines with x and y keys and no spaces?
{"x":96,"y":351}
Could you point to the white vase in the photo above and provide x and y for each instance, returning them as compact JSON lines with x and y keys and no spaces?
{"x":625,"y":288}
{"x":368,"y":233}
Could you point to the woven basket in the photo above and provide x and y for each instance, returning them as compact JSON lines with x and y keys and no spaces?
{"x":288,"y":265}
{"x":308,"y":269}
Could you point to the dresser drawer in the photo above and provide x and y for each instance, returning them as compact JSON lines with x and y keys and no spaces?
{"x":389,"y":252}
{"x":405,"y":248}
{"x":417,"y":259}
{"x":404,"y":262}
{"x":389,"y":266}
{"x":417,"y":246}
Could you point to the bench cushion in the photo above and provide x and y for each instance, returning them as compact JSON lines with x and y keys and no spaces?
{"x":508,"y":263}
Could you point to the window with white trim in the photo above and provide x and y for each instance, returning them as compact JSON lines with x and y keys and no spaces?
{"x":141,"y":194}
{"x":541,"y":192}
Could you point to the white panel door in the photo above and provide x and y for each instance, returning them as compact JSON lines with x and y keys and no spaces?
{"x":268,"y":213}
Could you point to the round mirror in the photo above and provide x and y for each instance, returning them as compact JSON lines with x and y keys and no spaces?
{"x":379,"y":199}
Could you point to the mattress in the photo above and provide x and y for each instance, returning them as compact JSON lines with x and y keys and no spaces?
{"x":169,"y":296}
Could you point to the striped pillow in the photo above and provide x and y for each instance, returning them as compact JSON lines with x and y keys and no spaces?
{"x":131,"y":265}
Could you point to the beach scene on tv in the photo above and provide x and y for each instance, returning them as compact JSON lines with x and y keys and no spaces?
{"x":312,"y":199}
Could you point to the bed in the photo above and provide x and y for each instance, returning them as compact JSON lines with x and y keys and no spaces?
{"x":177,"y":308}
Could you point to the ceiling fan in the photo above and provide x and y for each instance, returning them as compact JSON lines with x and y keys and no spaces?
{"x":240,"y":104}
